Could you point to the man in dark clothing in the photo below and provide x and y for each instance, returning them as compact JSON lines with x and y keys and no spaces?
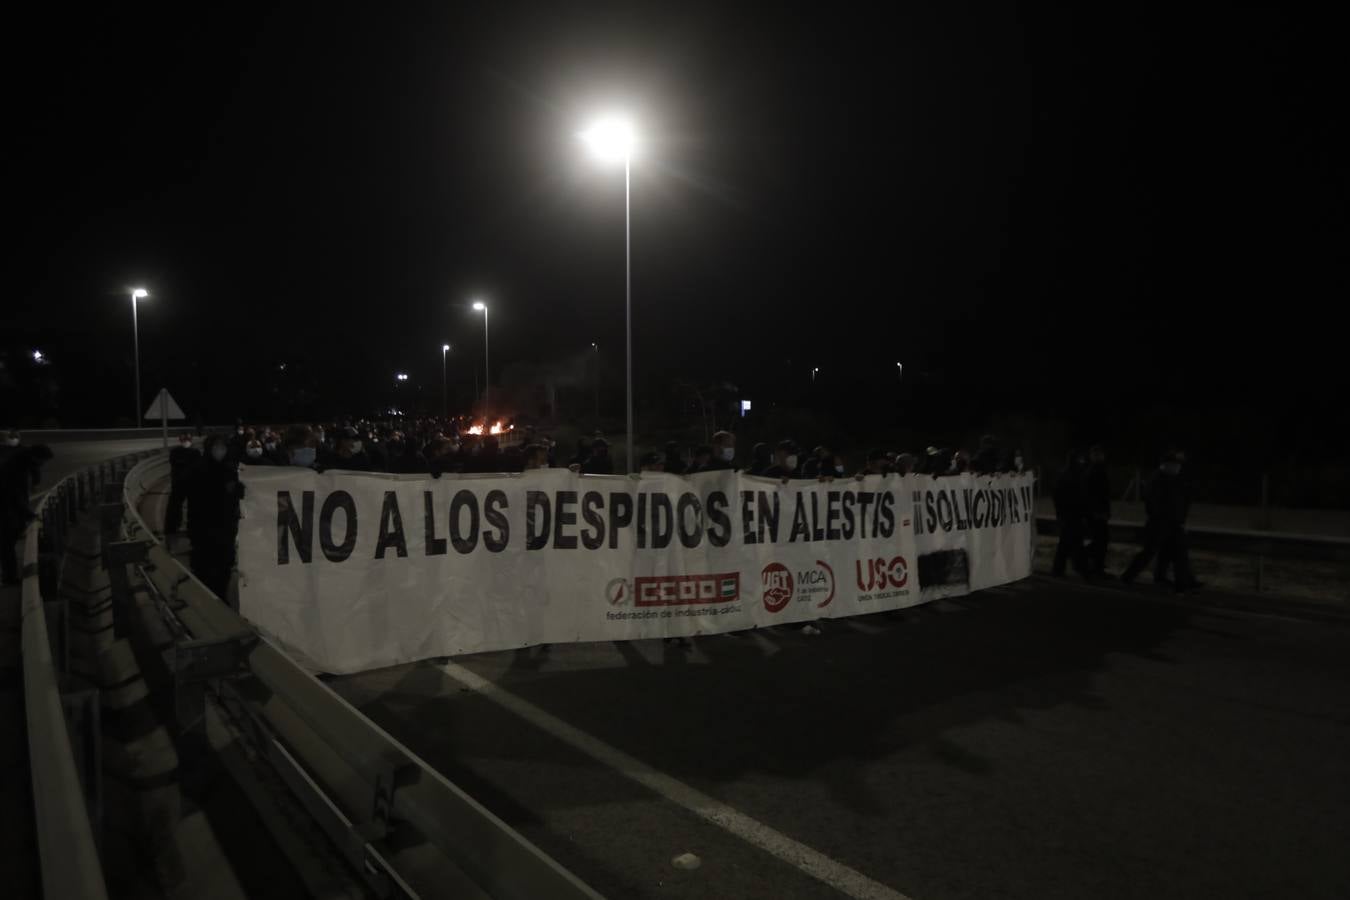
{"x":719,"y":456}
{"x":599,"y":462}
{"x":785,"y":461}
{"x":700,"y":458}
{"x":213,"y":516}
{"x":20,"y":472}
{"x":877,"y":464}
{"x":986,"y":461}
{"x":1166,"y":503}
{"x":821,"y":462}
{"x":1097,"y":509}
{"x":760,"y":459}
{"x":183,"y":459}
{"x":1069,"y":516}
{"x":674,"y":463}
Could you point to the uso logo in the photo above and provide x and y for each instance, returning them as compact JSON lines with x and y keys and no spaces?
{"x":777,"y":583}
{"x":879,"y":574}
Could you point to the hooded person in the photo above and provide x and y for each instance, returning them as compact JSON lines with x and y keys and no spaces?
{"x":213,"y":515}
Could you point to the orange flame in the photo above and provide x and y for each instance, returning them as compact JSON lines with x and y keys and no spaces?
{"x":496,"y":428}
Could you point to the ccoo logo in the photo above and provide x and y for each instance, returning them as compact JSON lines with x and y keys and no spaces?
{"x":878,"y":574}
{"x":777,"y":583}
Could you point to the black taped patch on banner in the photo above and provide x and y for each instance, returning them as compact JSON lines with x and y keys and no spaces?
{"x":944,"y":567}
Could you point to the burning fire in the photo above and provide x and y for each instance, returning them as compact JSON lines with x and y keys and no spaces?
{"x":496,"y":428}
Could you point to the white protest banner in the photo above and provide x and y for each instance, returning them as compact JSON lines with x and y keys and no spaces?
{"x":357,"y":570}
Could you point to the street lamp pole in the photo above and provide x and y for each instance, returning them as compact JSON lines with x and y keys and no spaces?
{"x":487,"y":360}
{"x":445,"y":396}
{"x":596,"y":348}
{"x":136,"y":294}
{"x":628,"y":303}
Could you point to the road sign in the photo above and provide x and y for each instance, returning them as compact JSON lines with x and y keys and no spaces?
{"x":164,"y":407}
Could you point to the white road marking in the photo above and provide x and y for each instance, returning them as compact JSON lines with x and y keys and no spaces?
{"x":814,"y":863}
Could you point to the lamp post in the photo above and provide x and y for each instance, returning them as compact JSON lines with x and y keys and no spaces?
{"x":445,"y":401}
{"x":137,"y":294}
{"x":480,"y":306}
{"x":814,"y":371}
{"x":596,"y":348}
{"x":612,"y":139}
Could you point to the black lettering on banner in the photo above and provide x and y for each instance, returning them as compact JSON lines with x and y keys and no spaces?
{"x":537,"y":519}
{"x":817,"y":532}
{"x":496,"y":540}
{"x":592,"y":538}
{"x":917,"y":499}
{"x":563,"y":517}
{"x":978,"y":507}
{"x":887,"y":517}
{"x":435,"y":545}
{"x":1016,"y":511}
{"x":719,"y":532}
{"x":462,"y":542}
{"x":689,"y":537}
{"x":944,"y":512}
{"x":930,"y":513}
{"x":620,"y":516}
{"x":391,"y":528}
{"x":663,"y":521}
{"x":768,"y":516}
{"x":642,"y":521}
{"x":864,"y":501}
{"x":799,"y":520}
{"x":333,"y":502}
{"x":299,"y":528}
{"x":999,"y":501}
{"x":832,"y":515}
{"x":748,"y":534}
{"x":846,"y":507}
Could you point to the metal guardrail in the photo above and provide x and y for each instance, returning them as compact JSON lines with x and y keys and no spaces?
{"x":67,"y":848}
{"x":381,"y":805}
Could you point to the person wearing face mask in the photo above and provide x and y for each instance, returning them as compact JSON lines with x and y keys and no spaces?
{"x":785,"y":461}
{"x":819,"y":463}
{"x":299,"y":447}
{"x":349,"y":453}
{"x":877,"y":464}
{"x":599,"y":462}
{"x":183,"y":459}
{"x":213,"y":516}
{"x":254,"y":454}
{"x":273,"y":452}
{"x":718,"y":457}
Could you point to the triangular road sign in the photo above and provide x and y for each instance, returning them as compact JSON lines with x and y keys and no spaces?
{"x":173,"y":410}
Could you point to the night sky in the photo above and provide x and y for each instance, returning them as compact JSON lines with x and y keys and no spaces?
{"x":1079,"y":213}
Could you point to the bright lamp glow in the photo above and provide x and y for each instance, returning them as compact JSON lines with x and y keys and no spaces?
{"x":445,"y":348}
{"x":611,"y":139}
{"x":402,"y":376}
{"x":37,"y":356}
{"x":479,"y":306}
{"x":138,"y":293}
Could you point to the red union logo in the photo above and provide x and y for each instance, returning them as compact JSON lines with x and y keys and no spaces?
{"x":882,"y":574}
{"x":777,"y":582}
{"x":686,"y":590}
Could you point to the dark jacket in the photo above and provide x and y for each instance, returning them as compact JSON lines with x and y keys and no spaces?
{"x":1097,"y":492}
{"x":213,"y":501}
{"x":1069,"y":493}
{"x":1166,"y":501}
{"x":182,"y":460}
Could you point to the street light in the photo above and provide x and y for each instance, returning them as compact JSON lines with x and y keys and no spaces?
{"x":38,"y":357}
{"x":899,"y":371}
{"x":612,"y":139}
{"x":445,"y":348}
{"x":401,"y":376}
{"x":137,"y":294}
{"x":480,"y":306}
{"x":814,"y":370}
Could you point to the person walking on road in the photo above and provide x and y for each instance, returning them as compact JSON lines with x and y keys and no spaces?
{"x":1069,"y":516}
{"x":1097,"y":509}
{"x":1166,"y":505}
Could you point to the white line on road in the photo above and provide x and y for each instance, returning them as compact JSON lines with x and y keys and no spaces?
{"x":752,"y":831}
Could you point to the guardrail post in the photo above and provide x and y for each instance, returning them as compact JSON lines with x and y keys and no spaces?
{"x":117,"y":555}
{"x":195,"y":664}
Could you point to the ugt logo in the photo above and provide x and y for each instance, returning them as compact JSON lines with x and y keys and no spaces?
{"x":777,"y":582}
{"x":881,"y":574}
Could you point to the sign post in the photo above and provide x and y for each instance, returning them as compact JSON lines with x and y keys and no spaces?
{"x":165,"y":408}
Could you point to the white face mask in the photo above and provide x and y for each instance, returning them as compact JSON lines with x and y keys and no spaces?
{"x":839,"y":470}
{"x":239,"y":431}
{"x":728,"y":454}
{"x":253,"y":452}
{"x":791,"y":462}
{"x":218,"y":453}
{"x":1017,"y":461}
{"x":11,"y":442}
{"x":270,"y":446}
{"x":356,"y":447}
{"x":185,"y":444}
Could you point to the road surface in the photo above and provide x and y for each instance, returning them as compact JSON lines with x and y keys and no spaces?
{"x":1047,"y":740}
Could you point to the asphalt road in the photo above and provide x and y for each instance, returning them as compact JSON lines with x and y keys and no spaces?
{"x":1046,"y":740}
{"x":71,"y":456}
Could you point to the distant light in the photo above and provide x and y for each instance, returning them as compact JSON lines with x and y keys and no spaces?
{"x":37,"y":356}
{"x":593,"y":345}
{"x":479,"y":306}
{"x":402,"y":376}
{"x":138,"y":293}
{"x":611,"y":139}
{"x":745,"y":407}
{"x":445,"y":348}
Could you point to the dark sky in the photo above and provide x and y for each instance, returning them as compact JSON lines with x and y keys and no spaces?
{"x":1063,"y":209}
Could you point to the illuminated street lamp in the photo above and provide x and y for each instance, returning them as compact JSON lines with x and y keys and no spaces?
{"x":137,"y":294}
{"x":39,"y":358}
{"x":814,"y":370}
{"x":899,"y":371}
{"x":613,"y":140}
{"x":401,"y":376}
{"x":480,"y":306}
{"x":445,"y":348}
